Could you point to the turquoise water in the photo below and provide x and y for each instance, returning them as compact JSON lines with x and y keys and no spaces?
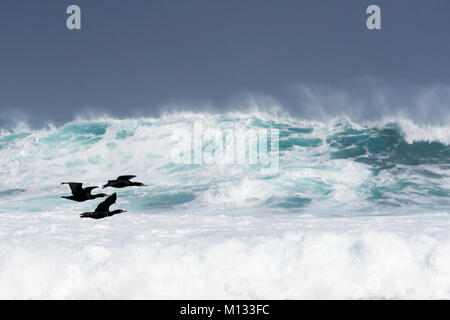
{"x":354,"y":210}
{"x":336,"y":168}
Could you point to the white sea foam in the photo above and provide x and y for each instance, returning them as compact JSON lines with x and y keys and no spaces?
{"x":338,"y":220}
{"x":414,"y":132}
{"x":143,"y":256}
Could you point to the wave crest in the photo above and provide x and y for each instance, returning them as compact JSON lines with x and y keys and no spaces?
{"x":388,"y":164}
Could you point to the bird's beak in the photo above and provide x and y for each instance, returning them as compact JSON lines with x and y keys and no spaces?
{"x":142,"y":185}
{"x":122,"y":211}
{"x":105,"y":196}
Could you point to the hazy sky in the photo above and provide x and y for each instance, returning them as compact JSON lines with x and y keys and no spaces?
{"x":134,"y":56}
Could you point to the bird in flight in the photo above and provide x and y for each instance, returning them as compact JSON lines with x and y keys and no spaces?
{"x":81,"y":194}
{"x":102,"y":210}
{"x":122,"y":182}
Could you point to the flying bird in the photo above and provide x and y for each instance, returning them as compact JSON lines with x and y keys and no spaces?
{"x":102,"y":210}
{"x":122,"y":182}
{"x":81,"y":194}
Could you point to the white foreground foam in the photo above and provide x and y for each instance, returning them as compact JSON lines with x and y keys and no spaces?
{"x":199,"y":256}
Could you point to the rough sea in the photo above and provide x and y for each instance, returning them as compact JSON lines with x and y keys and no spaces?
{"x":355,"y":210}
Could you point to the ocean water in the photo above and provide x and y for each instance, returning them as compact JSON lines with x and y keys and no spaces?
{"x":355,"y":210}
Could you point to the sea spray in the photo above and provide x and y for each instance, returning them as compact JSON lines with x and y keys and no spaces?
{"x":355,"y":210}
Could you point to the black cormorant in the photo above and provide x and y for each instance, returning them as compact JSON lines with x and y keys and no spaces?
{"x":122,"y":182}
{"x":81,"y":194}
{"x":102,"y":210}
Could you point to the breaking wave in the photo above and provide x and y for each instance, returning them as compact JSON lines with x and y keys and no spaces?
{"x":356,"y":210}
{"x":336,"y":166}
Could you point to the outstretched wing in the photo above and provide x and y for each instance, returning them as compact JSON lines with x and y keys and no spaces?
{"x":88,"y":190}
{"x":125,"y":178}
{"x":76,"y":187}
{"x":104,"y":206}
